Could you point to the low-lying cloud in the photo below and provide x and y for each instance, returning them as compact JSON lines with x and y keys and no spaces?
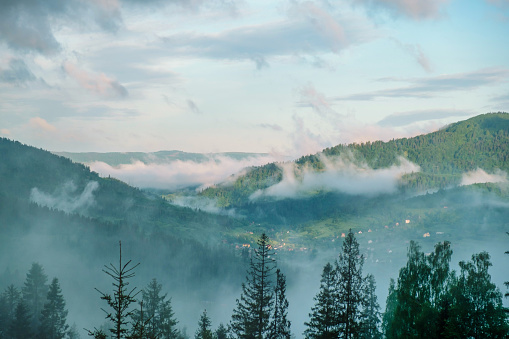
{"x":179,"y":174}
{"x":340,"y":175}
{"x":479,"y":176}
{"x":66,"y":199}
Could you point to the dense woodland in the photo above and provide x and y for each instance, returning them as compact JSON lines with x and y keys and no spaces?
{"x":56,"y":212}
{"x":427,"y":301}
{"x":442,"y":156}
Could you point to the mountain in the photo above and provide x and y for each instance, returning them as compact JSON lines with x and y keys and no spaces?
{"x":442,"y":156}
{"x":161,"y":157}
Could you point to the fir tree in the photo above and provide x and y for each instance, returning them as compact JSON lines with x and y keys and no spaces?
{"x":204,"y":331}
{"x":280,"y":325}
{"x":370,"y":317}
{"x":122,"y":298}
{"x":54,"y":315}
{"x":324,"y":319}
{"x":221,"y":332}
{"x":21,"y":328}
{"x":34,"y":293}
{"x":350,"y":287}
{"x":8,"y":302}
{"x":251,"y":317}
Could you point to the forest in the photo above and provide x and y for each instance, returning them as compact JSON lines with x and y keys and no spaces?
{"x":428,"y":300}
{"x":301,"y":265}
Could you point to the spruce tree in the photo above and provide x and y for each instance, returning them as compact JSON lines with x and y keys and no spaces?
{"x":122,"y":298}
{"x":350,"y":287}
{"x":251,"y":317}
{"x":8,"y":302}
{"x":166,"y":322}
{"x":324,"y":319}
{"x":280,"y":325}
{"x":370,"y":316}
{"x":54,"y":315}
{"x":204,"y":331}
{"x":221,"y":332}
{"x":35,"y":291}
{"x":21,"y":328}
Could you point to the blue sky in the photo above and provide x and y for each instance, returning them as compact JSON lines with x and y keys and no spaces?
{"x":286,"y":77}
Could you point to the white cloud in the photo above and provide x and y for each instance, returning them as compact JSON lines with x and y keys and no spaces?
{"x":179,"y":174}
{"x":340,"y":175}
{"x":41,"y":124}
{"x":66,"y":198}
{"x":480,"y":176}
{"x":98,"y":83}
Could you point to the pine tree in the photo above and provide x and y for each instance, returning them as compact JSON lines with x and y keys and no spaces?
{"x":34,"y":293}
{"x":370,"y":317}
{"x":120,"y":302}
{"x":21,"y":328}
{"x":204,"y":331}
{"x":280,"y":325}
{"x":54,"y":315}
{"x":350,"y":287}
{"x":390,"y":308}
{"x":324,"y":319}
{"x":251,"y":317}
{"x":166,"y":321}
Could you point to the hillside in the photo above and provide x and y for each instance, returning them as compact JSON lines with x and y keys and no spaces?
{"x":161,"y":157}
{"x":443,"y":156}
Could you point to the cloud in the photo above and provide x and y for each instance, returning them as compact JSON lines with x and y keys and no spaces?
{"x":416,"y":52}
{"x":479,"y":176}
{"x":314,"y":33}
{"x":429,"y":87}
{"x":5,"y":131}
{"x":406,"y":118}
{"x":17,"y":74}
{"x":192,"y":107}
{"x":29,"y":25}
{"x":202,"y":203}
{"x":340,"y":175}
{"x":310,"y":97}
{"x":41,"y":124}
{"x":413,"y":9}
{"x":98,"y":83}
{"x":179,"y":174}
{"x":274,"y":127}
{"x":66,"y":199}
{"x":323,"y":22}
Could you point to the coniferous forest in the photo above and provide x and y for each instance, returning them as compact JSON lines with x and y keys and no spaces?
{"x":84,"y":255}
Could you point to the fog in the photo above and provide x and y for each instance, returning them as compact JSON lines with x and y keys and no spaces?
{"x":177,"y":174}
{"x":340,"y":175}
{"x":75,"y":250}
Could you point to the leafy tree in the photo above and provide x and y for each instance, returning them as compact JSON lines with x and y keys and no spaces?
{"x":53,"y":316}
{"x":204,"y":331}
{"x":21,"y":328}
{"x":477,"y":310}
{"x":34,"y":293}
{"x":420,"y":293}
{"x":122,"y":298}
{"x":324,"y":319}
{"x":251,"y":317}
{"x":370,"y":316}
{"x":280,"y":325}
{"x":350,"y":294}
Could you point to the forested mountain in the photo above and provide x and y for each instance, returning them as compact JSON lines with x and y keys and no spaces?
{"x":443,"y":156}
{"x":161,"y":157}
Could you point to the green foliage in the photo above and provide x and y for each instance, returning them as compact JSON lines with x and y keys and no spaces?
{"x":251,"y":317}
{"x":122,"y":298}
{"x":21,"y":326}
{"x":431,"y":302}
{"x":204,"y":331}
{"x":54,"y":315}
{"x":34,"y":293}
{"x":280,"y":325}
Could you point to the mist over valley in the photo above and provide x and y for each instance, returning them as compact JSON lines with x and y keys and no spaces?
{"x":195,"y":225}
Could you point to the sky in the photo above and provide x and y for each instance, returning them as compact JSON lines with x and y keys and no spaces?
{"x":281,"y":76}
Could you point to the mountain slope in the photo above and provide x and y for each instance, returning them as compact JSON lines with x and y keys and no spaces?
{"x":443,"y":156}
